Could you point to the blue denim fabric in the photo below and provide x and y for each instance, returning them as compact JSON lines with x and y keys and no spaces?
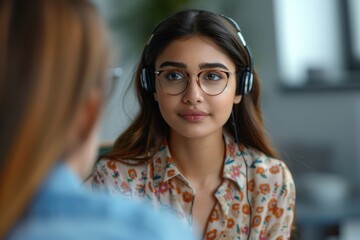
{"x":64,"y":209}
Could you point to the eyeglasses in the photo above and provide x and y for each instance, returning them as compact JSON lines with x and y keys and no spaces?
{"x":175,"y":81}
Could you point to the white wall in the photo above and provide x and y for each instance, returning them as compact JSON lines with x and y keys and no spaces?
{"x":307,"y":37}
{"x":354,"y":11}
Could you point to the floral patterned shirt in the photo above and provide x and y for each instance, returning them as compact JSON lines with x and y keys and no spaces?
{"x":256,"y":197}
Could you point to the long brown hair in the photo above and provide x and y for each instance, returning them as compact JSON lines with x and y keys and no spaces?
{"x":145,"y":134}
{"x":52,"y":54}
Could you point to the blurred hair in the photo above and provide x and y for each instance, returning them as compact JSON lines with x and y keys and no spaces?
{"x":52,"y":54}
{"x":144,"y":136}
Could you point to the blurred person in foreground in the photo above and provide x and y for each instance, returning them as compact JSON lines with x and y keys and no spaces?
{"x":53,"y":84}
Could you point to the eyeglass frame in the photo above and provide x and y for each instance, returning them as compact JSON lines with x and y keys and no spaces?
{"x":188,"y":75}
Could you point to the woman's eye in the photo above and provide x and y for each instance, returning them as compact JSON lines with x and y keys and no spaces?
{"x":174,"y":76}
{"x":213,"y":76}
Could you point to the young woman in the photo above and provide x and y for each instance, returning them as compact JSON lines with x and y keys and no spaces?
{"x":53,"y":64}
{"x":198,"y":145}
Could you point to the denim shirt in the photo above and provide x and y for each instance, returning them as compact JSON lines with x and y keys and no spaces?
{"x":64,"y":209}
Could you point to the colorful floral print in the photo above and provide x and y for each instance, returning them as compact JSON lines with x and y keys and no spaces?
{"x":132,"y":173}
{"x":261,"y":196}
{"x":187,"y":197}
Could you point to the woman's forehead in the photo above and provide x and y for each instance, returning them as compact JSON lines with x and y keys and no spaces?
{"x":194,"y":50}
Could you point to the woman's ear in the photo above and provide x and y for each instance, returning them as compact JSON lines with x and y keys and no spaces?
{"x":237,"y":99}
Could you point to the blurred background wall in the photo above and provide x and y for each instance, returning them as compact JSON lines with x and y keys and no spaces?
{"x":310,"y":93}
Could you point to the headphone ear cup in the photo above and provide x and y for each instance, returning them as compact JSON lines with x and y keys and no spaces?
{"x":248,"y":81}
{"x":147,"y":80}
{"x":244,"y":82}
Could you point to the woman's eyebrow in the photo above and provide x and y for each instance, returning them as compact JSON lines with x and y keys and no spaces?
{"x":213,"y":65}
{"x":184,"y":66}
{"x":173,"y":64}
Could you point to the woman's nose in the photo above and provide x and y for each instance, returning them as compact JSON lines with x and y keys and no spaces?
{"x":193,"y":93}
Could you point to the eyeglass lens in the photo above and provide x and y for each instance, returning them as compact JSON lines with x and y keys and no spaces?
{"x":211,"y":81}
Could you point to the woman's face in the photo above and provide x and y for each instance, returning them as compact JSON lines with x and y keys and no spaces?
{"x":193,"y":113}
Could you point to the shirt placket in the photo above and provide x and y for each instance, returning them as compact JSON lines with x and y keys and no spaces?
{"x":222,"y":207}
{"x":181,"y":199}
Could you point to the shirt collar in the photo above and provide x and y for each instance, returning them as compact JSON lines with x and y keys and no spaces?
{"x":234,"y":166}
{"x":164,"y":165}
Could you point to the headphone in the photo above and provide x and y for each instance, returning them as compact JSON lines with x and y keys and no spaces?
{"x":244,"y":78}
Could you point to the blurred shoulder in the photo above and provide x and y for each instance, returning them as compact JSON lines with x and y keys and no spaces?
{"x":85,"y":215}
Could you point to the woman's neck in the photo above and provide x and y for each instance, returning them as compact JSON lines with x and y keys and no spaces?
{"x":200,"y":160}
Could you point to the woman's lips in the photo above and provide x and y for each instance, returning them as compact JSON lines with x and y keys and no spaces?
{"x":193,"y":116}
